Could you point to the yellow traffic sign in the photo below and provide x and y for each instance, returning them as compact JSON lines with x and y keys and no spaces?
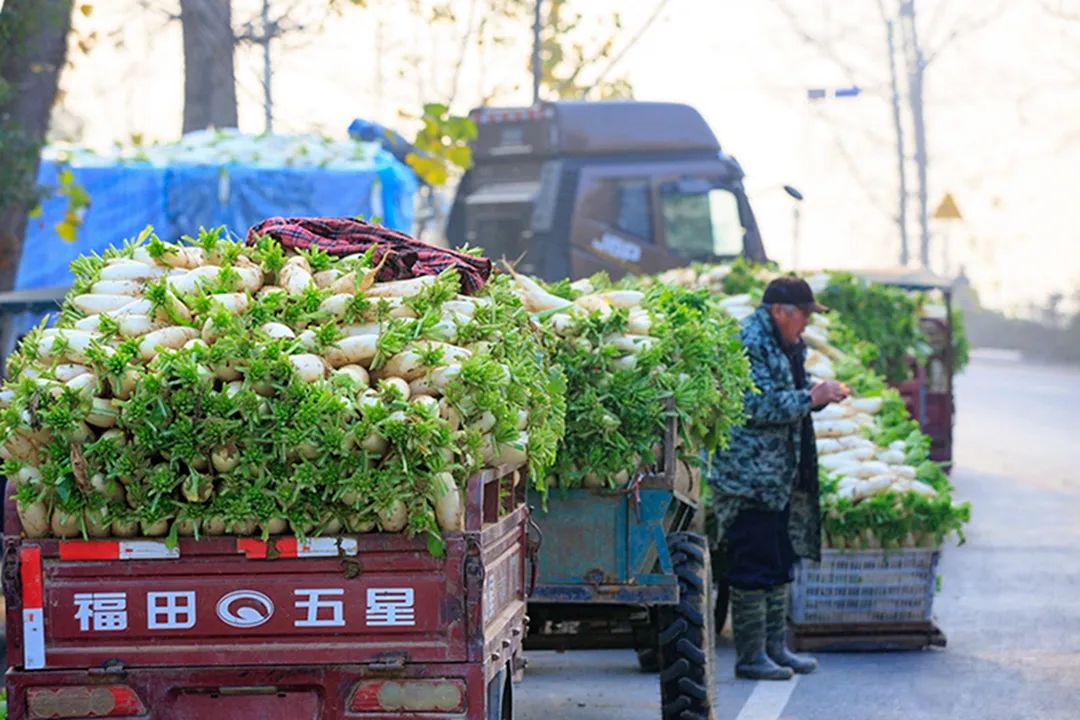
{"x":947,"y":209}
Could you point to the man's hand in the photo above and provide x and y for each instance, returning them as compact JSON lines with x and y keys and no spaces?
{"x":827,"y":391}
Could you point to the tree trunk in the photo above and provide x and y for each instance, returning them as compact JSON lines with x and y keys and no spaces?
{"x":916,"y":74}
{"x":33,"y":47}
{"x":209,"y":76}
{"x":901,"y":158}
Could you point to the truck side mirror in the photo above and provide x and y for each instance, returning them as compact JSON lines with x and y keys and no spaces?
{"x":793,"y":192}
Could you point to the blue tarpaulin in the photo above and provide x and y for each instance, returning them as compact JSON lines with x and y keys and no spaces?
{"x":179,"y":199}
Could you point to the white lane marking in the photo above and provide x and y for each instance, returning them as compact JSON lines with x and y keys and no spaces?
{"x":768,"y":699}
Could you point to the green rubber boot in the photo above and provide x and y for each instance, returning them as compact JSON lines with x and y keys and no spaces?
{"x":748,"y":625}
{"x":776,"y":634}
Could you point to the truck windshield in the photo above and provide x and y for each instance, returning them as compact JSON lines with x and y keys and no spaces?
{"x":702,"y":225}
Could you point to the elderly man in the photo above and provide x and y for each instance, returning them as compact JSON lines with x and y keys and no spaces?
{"x":766,"y":483}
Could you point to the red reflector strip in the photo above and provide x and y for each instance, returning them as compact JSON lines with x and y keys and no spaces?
{"x":287,"y":548}
{"x":33,"y":615}
{"x":117,"y":550}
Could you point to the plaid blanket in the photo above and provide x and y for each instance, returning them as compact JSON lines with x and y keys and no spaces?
{"x":406,"y":257}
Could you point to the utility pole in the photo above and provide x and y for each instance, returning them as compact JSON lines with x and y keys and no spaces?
{"x":536,"y":71}
{"x":268,"y":97}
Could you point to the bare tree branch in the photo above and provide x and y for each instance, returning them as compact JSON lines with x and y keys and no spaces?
{"x":462,"y":49}
{"x":653,"y":17}
{"x":824,"y":47}
{"x":962,"y":30}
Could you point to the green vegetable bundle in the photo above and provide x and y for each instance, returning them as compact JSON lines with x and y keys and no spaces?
{"x":219,"y":388}
{"x":627,"y":355}
{"x":879,"y":487}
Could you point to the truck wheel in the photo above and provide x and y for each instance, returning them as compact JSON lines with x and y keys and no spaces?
{"x":687,"y":639}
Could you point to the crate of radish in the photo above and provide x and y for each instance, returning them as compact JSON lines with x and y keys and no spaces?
{"x":634,"y":359}
{"x":217,"y":388}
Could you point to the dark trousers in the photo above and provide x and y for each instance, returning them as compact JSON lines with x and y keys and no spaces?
{"x":759,"y":551}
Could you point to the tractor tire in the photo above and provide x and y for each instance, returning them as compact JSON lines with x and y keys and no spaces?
{"x":648,"y":655}
{"x":500,"y":696}
{"x":687,"y":639}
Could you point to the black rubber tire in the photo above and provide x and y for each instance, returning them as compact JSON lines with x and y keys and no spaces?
{"x":687,"y":639}
{"x":648,"y":660}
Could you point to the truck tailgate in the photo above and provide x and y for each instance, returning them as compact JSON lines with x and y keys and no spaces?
{"x":366,"y":599}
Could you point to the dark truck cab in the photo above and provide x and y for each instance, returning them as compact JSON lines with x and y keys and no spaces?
{"x":568,"y":189}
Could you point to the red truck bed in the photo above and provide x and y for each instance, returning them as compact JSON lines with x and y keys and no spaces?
{"x":364,"y":626}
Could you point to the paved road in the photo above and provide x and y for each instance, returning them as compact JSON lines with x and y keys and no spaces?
{"x":1010,"y":600}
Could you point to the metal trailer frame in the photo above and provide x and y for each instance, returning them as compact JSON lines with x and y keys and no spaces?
{"x":470,"y":610}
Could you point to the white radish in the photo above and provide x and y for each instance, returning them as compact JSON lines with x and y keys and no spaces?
{"x":450,"y":414}
{"x":834,"y":428}
{"x":449,"y":510}
{"x":138,"y":325}
{"x":192,"y":280}
{"x":535,"y":298}
{"x":365,"y":329}
{"x":85,"y":385}
{"x":92,"y":304}
{"x":307,"y":340}
{"x":64,"y":525}
{"x":400,"y":387}
{"x":278,"y":331}
{"x":631,"y":343}
{"x":325,"y":278}
{"x":435,"y":382}
{"x":562,"y":324}
{"x":394,"y":517}
{"x":171,"y":338}
{"x":375,"y":444}
{"x":34,"y":518}
{"x":97,"y":526}
{"x":224,"y":458}
{"x":358,"y":374}
{"x":593,"y":304}
{"x":427,"y":404}
{"x":78,"y":343}
{"x":251,"y":279}
{"x":125,"y":528}
{"x":400,"y":288}
{"x":155,"y":529}
{"x":131,"y":270}
{"x":336,"y":304}
{"x":638,"y":324}
{"x":622,"y":298}
{"x":408,"y":364}
{"x":868,"y":405}
{"x":175,"y":256}
{"x":295,"y":277}
{"x":309,"y":367}
{"x":66,"y":372}
{"x":236,"y":303}
{"x":132,"y":288}
{"x":892,"y":457}
{"x":343,"y":283}
{"x":103,"y":414}
{"x":356,"y":350}
{"x":826,"y":446}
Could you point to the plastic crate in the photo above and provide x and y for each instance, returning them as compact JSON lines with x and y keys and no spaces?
{"x":865,"y":586}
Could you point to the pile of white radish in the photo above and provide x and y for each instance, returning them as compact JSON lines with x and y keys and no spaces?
{"x":626,"y":353}
{"x":217,"y":388}
{"x":861,"y":472}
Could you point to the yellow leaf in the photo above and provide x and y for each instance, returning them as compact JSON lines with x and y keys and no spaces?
{"x":66,"y":231}
{"x":36,"y":211}
{"x":86,"y":9}
{"x":460,"y":155}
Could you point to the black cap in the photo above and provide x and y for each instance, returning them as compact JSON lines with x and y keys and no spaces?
{"x":792,"y":290}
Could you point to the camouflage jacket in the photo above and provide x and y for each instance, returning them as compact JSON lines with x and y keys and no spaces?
{"x":760,"y":465}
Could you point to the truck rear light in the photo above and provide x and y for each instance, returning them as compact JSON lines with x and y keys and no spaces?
{"x":78,"y":701}
{"x":405,"y":696}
